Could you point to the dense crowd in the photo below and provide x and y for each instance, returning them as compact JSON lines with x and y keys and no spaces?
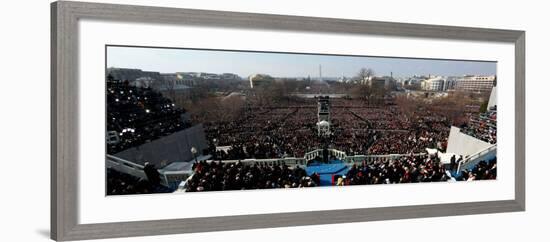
{"x":350,"y":133}
{"x":483,"y":126}
{"x":482,"y":171}
{"x":398,"y":133}
{"x":383,"y":118}
{"x":265,"y":133}
{"x":407,"y":169}
{"x":119,"y":183}
{"x":290,"y":130}
{"x":137,"y":115}
{"x":218,"y":176}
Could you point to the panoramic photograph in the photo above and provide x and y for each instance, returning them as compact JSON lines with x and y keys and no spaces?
{"x":196,"y":120}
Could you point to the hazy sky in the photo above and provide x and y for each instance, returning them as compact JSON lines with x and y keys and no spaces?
{"x":284,"y":65}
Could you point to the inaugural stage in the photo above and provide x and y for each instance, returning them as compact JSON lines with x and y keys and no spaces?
{"x":327,"y":171}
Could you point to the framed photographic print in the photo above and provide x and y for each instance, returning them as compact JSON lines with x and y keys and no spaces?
{"x":170,"y":120}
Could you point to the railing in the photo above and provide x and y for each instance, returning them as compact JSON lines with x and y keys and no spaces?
{"x":169,"y":179}
{"x":369,"y":159}
{"x":319,"y":152}
{"x":468,"y":160}
{"x":173,"y":179}
{"x":338,"y":154}
{"x":125,"y":166}
{"x":291,"y":161}
{"x":312,"y":154}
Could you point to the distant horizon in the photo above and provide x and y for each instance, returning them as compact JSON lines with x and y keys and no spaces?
{"x":286,"y":65}
{"x":312,"y":77}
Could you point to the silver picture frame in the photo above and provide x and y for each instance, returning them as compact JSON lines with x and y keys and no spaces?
{"x":64,"y":118}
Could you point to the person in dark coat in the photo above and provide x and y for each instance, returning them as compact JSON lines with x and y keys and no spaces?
{"x":152,"y":174}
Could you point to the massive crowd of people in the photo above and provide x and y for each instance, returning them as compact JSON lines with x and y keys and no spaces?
{"x":265,"y":133}
{"x":289,"y":130}
{"x":137,"y":115}
{"x":218,"y":176}
{"x":350,"y":133}
{"x":483,"y":126}
{"x":356,"y":128}
{"x":407,"y":169}
{"x":414,"y":169}
{"x":400,"y":133}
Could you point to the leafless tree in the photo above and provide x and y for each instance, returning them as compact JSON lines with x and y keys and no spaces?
{"x":364,"y":73}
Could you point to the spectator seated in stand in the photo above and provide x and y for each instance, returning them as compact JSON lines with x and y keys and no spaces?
{"x":482,"y":171}
{"x":218,"y":176}
{"x":138,"y":115}
{"x":483,"y":126}
{"x":407,"y":169}
{"x":119,"y":183}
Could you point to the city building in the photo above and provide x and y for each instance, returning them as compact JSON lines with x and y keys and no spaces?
{"x":379,"y":81}
{"x":131,"y":75}
{"x":230,"y":76}
{"x":257,"y":80}
{"x":450,"y":83}
{"x":436,"y":84}
{"x":413,"y":80}
{"x":471,"y":83}
{"x":177,"y":81}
